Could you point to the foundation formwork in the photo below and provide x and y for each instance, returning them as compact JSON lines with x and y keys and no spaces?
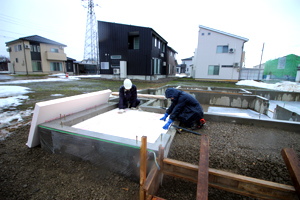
{"x":121,"y":154}
{"x":117,"y":154}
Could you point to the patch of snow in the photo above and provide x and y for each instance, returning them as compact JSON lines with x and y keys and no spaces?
{"x":181,"y":75}
{"x":12,"y":117}
{"x":8,"y":91}
{"x":14,"y":101}
{"x":281,"y":86}
{"x":57,"y":95}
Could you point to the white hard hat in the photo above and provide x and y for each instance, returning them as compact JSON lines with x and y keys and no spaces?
{"x":127,"y":84}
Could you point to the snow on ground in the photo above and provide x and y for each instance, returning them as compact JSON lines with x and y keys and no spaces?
{"x":10,"y":97}
{"x":282,"y":86}
{"x":59,"y":77}
{"x":181,"y":75}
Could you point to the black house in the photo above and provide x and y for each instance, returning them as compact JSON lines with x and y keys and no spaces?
{"x":141,"y":49}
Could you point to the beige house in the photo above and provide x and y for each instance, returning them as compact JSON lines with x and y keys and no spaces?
{"x":36,"y":55}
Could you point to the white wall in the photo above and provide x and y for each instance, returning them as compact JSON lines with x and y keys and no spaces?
{"x":188,"y":63}
{"x":207,"y":55}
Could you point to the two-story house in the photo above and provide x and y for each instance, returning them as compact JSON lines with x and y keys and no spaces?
{"x":219,"y":55}
{"x":172,"y":62}
{"x":36,"y":55}
{"x":134,"y":52}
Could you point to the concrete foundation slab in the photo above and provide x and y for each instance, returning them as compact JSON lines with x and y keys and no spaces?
{"x":237,"y":112}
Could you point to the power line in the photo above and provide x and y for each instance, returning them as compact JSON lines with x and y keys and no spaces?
{"x":23,"y":22}
{"x":7,"y":36}
{"x":10,"y":31}
{"x":31,"y":27}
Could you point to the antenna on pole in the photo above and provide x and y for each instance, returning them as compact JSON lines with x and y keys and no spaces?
{"x":91,"y":49}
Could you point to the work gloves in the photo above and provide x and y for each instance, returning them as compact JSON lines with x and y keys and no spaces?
{"x":166,"y":126}
{"x":164,"y":117}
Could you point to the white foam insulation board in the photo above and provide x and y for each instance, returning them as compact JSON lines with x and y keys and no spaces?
{"x":133,"y":124}
{"x":54,"y":109}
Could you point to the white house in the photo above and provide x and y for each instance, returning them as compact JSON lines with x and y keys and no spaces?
{"x":189,"y":65}
{"x":219,"y":55}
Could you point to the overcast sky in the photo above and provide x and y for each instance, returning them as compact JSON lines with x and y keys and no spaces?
{"x":273,"y":22}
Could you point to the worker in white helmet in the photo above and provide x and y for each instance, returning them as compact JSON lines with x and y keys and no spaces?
{"x":128,"y":96}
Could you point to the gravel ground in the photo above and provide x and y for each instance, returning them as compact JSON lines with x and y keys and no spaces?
{"x":246,"y":150}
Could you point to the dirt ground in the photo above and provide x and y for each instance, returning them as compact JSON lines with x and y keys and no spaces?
{"x":31,"y":173}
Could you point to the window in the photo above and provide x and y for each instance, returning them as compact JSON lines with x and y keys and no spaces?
{"x":20,"y":47}
{"x":104,"y":65}
{"x":16,"y":48}
{"x":17,"y":60}
{"x":54,"y":50}
{"x":156,"y":65}
{"x":208,"y":33}
{"x":222,"y":49}
{"x":202,"y":34}
{"x":158,"y":44}
{"x":155,"y":41}
{"x":170,"y":53}
{"x":134,"y":40}
{"x":213,"y":69}
{"x":163,"y":47}
{"x":36,"y":66}
{"x":34,"y":48}
{"x":115,"y":57}
{"x":55,"y":66}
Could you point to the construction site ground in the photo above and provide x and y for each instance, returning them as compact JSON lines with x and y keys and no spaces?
{"x":32,"y":173}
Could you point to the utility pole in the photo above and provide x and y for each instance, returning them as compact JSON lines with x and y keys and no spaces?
{"x":91,"y":48}
{"x":260,"y":60}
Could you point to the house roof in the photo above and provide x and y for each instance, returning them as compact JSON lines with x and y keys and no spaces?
{"x":153,"y":31}
{"x":37,"y":38}
{"x":172,"y":49}
{"x":224,"y":33}
{"x":190,"y":58}
{"x":70,"y":59}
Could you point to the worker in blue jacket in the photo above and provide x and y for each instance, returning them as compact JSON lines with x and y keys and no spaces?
{"x":184,"y":107}
{"x":128,"y":96}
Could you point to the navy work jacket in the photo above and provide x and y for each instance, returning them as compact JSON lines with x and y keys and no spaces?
{"x":184,"y":106}
{"x":128,"y":96}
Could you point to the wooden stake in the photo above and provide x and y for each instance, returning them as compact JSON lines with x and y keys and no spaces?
{"x":143,"y":167}
{"x":202,"y":185}
{"x":292,"y":163}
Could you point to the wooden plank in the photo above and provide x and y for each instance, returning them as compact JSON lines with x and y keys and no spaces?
{"x":143,"y":167}
{"x":292,"y":163}
{"x":144,"y":96}
{"x":202,"y":185}
{"x":231,"y":182}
